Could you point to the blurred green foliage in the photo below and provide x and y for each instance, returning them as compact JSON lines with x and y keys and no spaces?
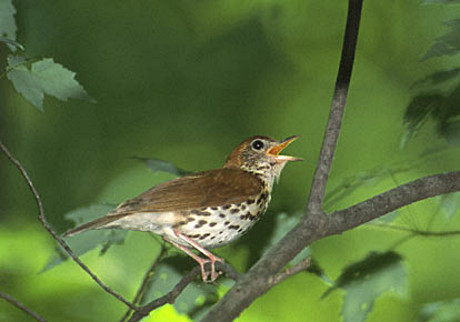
{"x":186,"y":82}
{"x":366,"y":280}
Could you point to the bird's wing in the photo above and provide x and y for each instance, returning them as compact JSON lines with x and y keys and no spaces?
{"x":204,"y":189}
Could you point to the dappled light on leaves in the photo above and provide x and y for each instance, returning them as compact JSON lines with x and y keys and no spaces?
{"x":368,"y":279}
{"x":195,"y":299}
{"x":442,"y":311}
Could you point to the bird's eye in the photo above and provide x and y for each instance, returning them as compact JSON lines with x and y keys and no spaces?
{"x":257,"y":145}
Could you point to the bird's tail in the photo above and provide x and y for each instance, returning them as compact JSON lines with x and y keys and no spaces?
{"x":99,"y":223}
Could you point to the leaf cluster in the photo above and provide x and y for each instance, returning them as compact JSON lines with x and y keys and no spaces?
{"x":438,"y":97}
{"x":35,"y":77}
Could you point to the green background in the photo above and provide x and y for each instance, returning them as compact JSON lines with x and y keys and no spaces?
{"x":186,"y":82}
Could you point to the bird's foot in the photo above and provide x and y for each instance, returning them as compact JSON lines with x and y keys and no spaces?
{"x":206,"y":276}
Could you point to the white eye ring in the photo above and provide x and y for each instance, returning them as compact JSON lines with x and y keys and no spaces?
{"x":257,"y":145}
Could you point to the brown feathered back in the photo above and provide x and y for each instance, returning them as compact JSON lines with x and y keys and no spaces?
{"x":203,"y":189}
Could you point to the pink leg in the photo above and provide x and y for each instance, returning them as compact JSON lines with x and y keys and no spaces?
{"x":200,"y":260}
{"x":212,"y":258}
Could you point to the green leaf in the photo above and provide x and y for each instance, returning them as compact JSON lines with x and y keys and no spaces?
{"x":11,"y":43}
{"x":440,"y":1}
{"x":88,"y":240}
{"x":43,"y":77}
{"x":449,"y":44}
{"x":438,"y":77}
{"x":390,"y":217}
{"x":87,"y":214}
{"x":7,"y":22}
{"x":317,"y":270}
{"x":162,"y":166}
{"x":114,"y":237}
{"x":417,"y":113}
{"x":450,"y":204}
{"x":441,"y":108}
{"x":198,"y":296}
{"x":369,"y":178}
{"x":283,"y":224}
{"x":366,"y":280}
{"x":443,"y":311}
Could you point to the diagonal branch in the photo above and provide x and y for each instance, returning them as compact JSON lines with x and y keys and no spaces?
{"x":229,"y":271}
{"x":41,"y":217}
{"x":167,"y":298}
{"x":255,"y":283}
{"x":145,"y":281}
{"x":391,"y":200}
{"x":291,"y":271}
{"x":22,"y":307}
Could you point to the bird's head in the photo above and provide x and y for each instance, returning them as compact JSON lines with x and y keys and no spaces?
{"x":261,"y":155}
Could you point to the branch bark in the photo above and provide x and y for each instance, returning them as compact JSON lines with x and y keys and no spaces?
{"x":168,"y":298}
{"x":142,"y":288}
{"x":139,"y":312}
{"x":391,"y":200}
{"x":339,"y":98}
{"x":291,"y":271}
{"x":22,"y":307}
{"x":257,"y":281}
{"x":315,"y":224}
{"x":42,"y":218}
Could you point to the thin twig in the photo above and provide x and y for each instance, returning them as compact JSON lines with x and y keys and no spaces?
{"x":420,"y":232}
{"x":229,"y":271}
{"x":288,"y":272}
{"x":145,"y":281}
{"x":168,"y":298}
{"x":10,"y":68}
{"x":41,"y":217}
{"x":391,"y":200}
{"x":22,"y":307}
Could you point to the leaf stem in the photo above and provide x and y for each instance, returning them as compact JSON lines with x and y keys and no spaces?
{"x":9,"y":67}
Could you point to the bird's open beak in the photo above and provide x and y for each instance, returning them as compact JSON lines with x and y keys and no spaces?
{"x":275,"y":151}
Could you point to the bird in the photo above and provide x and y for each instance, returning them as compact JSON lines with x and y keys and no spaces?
{"x":207,"y":209}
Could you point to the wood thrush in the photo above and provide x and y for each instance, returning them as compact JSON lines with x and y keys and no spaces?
{"x":206,"y":209}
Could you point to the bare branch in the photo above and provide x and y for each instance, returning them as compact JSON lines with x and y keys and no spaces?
{"x":418,"y":232}
{"x":140,"y":292}
{"x":256,"y":282}
{"x":168,"y":298}
{"x":229,"y":271}
{"x":288,"y":272}
{"x":22,"y":307}
{"x":393,"y":199}
{"x":41,"y":217}
{"x":331,"y":136}
{"x":315,"y":224}
{"x":143,"y":311}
